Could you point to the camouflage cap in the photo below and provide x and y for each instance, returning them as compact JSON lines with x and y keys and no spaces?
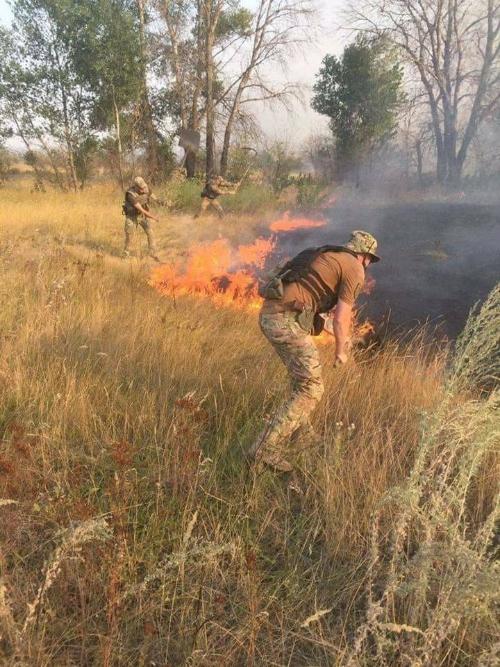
{"x":140,"y":183}
{"x":363,"y":243}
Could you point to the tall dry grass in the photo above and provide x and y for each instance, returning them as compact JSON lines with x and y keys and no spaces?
{"x":132,"y":532}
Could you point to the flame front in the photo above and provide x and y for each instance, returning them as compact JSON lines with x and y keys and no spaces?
{"x":228,"y":276}
{"x":217,"y":271}
{"x":287,"y":224}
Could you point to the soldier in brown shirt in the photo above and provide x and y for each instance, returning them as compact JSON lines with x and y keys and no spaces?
{"x":314,"y":282}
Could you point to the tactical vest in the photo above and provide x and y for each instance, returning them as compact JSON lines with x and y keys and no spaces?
{"x":129,"y":209}
{"x":299,"y":270}
{"x":209,"y":192}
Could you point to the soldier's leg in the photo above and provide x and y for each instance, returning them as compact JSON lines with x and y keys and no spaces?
{"x":215,"y":204}
{"x":129,"y":230}
{"x":298,"y":352}
{"x":146,"y":225}
{"x":205,"y":203}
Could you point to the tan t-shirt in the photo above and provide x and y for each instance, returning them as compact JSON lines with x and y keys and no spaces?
{"x":341,"y":271}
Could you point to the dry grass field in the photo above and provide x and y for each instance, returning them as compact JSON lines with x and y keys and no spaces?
{"x":132,"y":531}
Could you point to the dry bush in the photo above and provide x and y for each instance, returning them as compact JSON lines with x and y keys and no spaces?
{"x":434,"y":585}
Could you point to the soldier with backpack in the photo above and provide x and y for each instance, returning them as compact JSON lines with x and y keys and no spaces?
{"x":136,"y":211}
{"x":214,"y":188}
{"x":314,"y":282}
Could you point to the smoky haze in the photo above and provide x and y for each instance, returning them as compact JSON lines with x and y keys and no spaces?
{"x":438,"y":259}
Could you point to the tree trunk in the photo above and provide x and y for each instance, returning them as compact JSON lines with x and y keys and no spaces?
{"x":47,"y":150}
{"x":441,"y":165}
{"x":118,"y":138}
{"x":153,"y":166}
{"x":194,"y":116}
{"x":420,"y":161}
{"x":455,"y":175}
{"x":38,"y":174}
{"x":210,"y":111}
{"x":71,"y":167}
{"x":211,"y":10}
{"x":224,"y":158}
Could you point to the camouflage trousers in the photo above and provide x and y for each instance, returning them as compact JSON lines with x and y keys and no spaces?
{"x":131,"y":225}
{"x":207,"y":203}
{"x":299,"y":354}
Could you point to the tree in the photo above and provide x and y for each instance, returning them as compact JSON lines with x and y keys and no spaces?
{"x":361,"y":94}
{"x":178,"y":63}
{"x":319,"y":152}
{"x":278,"y":26}
{"x":454,"y":46}
{"x":106,"y":53}
{"x":198,"y":33}
{"x":223,"y":23}
{"x":215,"y":52}
{"x":47,"y":101}
{"x":211,"y":11}
{"x":144,"y":102}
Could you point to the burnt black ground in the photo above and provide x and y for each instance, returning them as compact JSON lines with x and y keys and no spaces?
{"x":439,"y":259}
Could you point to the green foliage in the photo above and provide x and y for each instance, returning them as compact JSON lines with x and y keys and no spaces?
{"x":106,"y":53}
{"x":45,"y":99}
{"x":71,"y":69}
{"x":361,"y":94}
{"x":185,"y":194}
{"x":278,"y":162}
{"x":250,"y":198}
{"x":83,"y":159}
{"x":166,"y":155}
{"x":309,"y":192}
{"x":235,"y":21}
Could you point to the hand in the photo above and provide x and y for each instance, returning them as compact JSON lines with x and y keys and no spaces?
{"x":340,"y":359}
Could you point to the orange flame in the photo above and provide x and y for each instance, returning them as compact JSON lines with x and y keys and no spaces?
{"x":365,"y":329}
{"x":287,"y":224}
{"x":208,"y":272}
{"x":228,"y":276}
{"x":256,"y":253}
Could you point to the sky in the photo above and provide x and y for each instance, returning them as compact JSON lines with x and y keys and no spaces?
{"x":302,"y":122}
{"x":294,"y":126}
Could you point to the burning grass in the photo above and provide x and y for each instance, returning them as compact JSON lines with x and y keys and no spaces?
{"x":215,"y":270}
{"x":290,"y":224}
{"x":132,"y":527}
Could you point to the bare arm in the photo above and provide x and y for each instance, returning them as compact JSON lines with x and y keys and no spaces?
{"x":144,"y":212}
{"x":342,"y":321}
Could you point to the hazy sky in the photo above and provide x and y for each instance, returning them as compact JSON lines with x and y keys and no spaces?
{"x":302,"y":121}
{"x":302,"y":67}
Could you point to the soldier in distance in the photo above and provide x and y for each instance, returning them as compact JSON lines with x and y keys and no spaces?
{"x":214,"y":188}
{"x":314,"y":282}
{"x":136,"y":211}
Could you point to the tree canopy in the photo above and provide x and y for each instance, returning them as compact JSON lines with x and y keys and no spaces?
{"x":361,"y":95}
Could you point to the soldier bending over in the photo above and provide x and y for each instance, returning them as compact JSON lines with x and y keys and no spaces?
{"x":314,"y":282}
